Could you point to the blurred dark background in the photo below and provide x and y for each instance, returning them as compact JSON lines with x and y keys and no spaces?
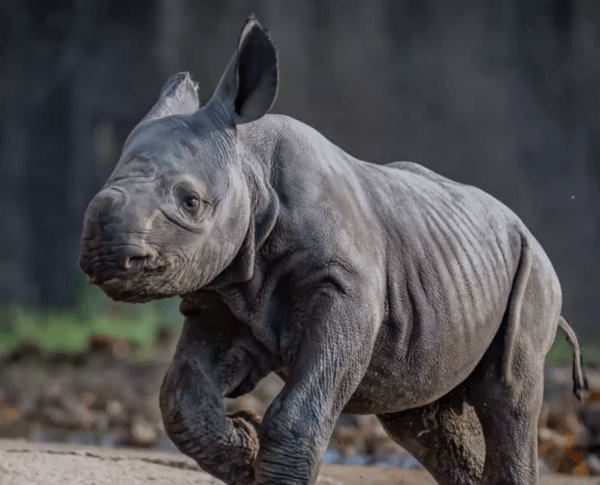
{"x":502,"y":95}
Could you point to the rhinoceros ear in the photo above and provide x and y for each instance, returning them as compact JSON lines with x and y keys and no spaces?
{"x":179,"y":96}
{"x":249,"y":85}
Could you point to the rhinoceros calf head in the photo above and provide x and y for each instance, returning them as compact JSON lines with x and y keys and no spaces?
{"x":177,"y":208}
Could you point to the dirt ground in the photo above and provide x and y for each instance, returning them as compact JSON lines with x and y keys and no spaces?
{"x":105,"y":411}
{"x":26,"y":463}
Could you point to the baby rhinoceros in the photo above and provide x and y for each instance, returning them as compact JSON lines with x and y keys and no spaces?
{"x":370,"y":289}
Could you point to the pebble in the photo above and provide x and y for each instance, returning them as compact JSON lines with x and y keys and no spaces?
{"x":142,"y":433}
{"x":115,"y":412}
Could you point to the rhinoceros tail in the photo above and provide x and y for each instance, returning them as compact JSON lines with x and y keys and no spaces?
{"x":515,"y":303}
{"x":580,"y":383}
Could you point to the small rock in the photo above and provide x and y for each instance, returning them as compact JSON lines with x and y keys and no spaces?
{"x":142,"y":433}
{"x":557,"y":450}
{"x":88,"y":399}
{"x":68,"y":413}
{"x":8,"y":413}
{"x":116,"y":413}
{"x":564,"y":421}
{"x":81,"y":415}
{"x":349,"y":451}
{"x":56,"y":417}
{"x":55,"y":391}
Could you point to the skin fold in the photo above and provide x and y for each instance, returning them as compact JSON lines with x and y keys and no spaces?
{"x":386,"y":290}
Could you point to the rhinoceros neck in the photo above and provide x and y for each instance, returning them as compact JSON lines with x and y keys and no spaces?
{"x":291,"y":153}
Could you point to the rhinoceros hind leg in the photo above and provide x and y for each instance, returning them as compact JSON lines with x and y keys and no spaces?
{"x":509,"y":411}
{"x":445,"y":436}
{"x":509,"y":415}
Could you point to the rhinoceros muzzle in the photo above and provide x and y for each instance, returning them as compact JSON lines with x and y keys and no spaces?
{"x":111,"y":268}
{"x":125,"y":269}
{"x":112,"y":252}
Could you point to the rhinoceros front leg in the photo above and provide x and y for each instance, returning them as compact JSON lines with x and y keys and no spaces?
{"x":195,"y":420}
{"x":334,"y":346}
{"x":215,"y":357}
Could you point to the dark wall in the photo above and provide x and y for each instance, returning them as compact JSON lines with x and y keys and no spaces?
{"x":502,"y":95}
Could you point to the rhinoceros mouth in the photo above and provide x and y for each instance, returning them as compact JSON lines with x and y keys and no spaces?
{"x":138,"y":287}
{"x":104,"y":262}
{"x":125,"y":272}
{"x":117,"y":272}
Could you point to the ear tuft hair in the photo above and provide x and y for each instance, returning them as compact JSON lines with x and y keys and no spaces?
{"x":178,"y":96}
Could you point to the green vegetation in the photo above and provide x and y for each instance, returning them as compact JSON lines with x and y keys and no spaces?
{"x":561,"y":353}
{"x":69,"y":331}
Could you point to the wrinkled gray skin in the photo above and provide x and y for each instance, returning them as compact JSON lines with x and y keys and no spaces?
{"x":369,"y":289}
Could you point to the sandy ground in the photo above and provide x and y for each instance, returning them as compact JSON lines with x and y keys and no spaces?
{"x":25,"y":463}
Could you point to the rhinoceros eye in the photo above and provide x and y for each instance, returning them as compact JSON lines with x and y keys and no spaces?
{"x":187,"y":198}
{"x":191,"y":202}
